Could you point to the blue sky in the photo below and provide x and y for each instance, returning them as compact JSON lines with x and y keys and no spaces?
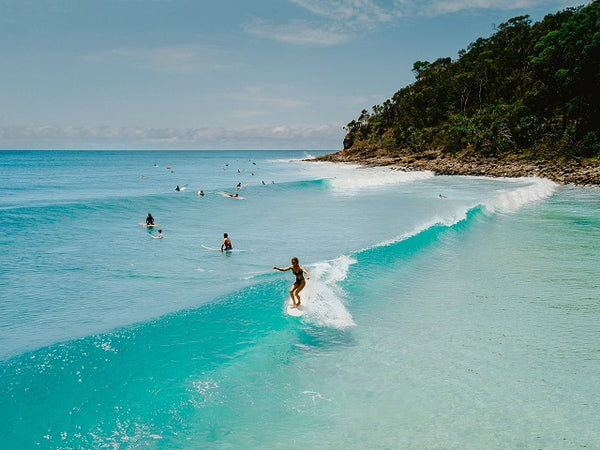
{"x":225,"y":74}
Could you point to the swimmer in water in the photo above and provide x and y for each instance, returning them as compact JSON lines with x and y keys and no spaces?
{"x":300,"y":282}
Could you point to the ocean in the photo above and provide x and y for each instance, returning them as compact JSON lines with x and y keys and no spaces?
{"x":442,"y":312}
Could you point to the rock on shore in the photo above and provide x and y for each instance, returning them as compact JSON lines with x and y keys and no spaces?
{"x":576,"y":172}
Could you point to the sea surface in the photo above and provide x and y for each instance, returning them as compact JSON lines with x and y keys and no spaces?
{"x":442,"y":312}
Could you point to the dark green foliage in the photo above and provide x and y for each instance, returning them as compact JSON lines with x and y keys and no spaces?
{"x":528,"y":90}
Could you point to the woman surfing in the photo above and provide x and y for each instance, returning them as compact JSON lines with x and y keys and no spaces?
{"x":300,"y":282}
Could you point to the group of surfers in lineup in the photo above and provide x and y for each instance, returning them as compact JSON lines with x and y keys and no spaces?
{"x":295,"y":267}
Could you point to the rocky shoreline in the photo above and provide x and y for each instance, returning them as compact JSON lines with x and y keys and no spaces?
{"x":575,"y":172}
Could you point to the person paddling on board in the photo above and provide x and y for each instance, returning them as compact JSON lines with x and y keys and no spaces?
{"x":149,"y":219}
{"x":300,"y":282}
{"x":226,"y":245}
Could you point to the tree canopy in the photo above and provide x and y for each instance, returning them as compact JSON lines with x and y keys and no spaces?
{"x":528,"y":90}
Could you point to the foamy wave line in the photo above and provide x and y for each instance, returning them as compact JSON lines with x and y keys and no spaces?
{"x":507,"y":201}
{"x":449,"y":221}
{"x":349,"y":178}
{"x":514,"y":199}
{"x":326,"y":305}
{"x":306,"y":156}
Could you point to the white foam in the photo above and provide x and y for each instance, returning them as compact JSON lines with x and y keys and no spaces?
{"x":351,"y":178}
{"x":325,"y":305}
{"x":512,"y":200}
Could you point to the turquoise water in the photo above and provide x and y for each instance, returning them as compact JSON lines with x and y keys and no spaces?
{"x":470,"y":320}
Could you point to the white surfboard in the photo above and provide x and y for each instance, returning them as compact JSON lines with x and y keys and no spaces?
{"x":305,"y":296}
{"x":144,"y":224}
{"x":225,"y":194}
{"x":297,"y":311}
{"x":213,"y":249}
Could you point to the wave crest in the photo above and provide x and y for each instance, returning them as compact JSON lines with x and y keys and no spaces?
{"x":351,"y":178}
{"x":514,"y":199}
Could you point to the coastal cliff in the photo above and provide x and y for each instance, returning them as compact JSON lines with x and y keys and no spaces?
{"x":523,"y":102}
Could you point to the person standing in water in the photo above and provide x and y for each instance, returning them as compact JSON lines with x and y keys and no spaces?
{"x":300,"y":282}
{"x":226,"y":245}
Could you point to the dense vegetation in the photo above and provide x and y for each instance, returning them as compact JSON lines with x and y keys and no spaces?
{"x":528,"y":91}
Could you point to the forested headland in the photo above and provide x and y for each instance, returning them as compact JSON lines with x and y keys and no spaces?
{"x":525,"y":101}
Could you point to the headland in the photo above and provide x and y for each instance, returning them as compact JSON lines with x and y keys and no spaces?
{"x":579,"y":172}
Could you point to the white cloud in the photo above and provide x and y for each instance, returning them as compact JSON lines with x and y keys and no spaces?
{"x":259,"y":95}
{"x":339,"y":21}
{"x":357,"y":14}
{"x":298,"y":32}
{"x":170,"y":59}
{"x":445,"y":7}
{"x":321,"y":136}
{"x":439,"y":7}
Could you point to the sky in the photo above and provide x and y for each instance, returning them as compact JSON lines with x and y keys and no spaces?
{"x":220,"y":74}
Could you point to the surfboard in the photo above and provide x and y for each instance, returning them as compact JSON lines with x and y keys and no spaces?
{"x":306,"y":297}
{"x":239,"y":197}
{"x":144,"y":224}
{"x":213,"y":249}
{"x":297,"y":311}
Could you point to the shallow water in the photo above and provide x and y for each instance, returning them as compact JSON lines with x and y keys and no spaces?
{"x":467,"y":320}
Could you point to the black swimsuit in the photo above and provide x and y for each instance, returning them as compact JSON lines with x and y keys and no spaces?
{"x":299,"y":276}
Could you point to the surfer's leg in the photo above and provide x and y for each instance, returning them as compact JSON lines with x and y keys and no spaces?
{"x":292,"y":296}
{"x":299,"y":287}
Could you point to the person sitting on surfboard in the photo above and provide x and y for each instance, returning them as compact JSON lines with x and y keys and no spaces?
{"x":300,"y":282}
{"x":226,"y":245}
{"x":149,"y":219}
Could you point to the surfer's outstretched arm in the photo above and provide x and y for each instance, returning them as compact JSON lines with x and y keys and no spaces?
{"x":282,"y":270}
